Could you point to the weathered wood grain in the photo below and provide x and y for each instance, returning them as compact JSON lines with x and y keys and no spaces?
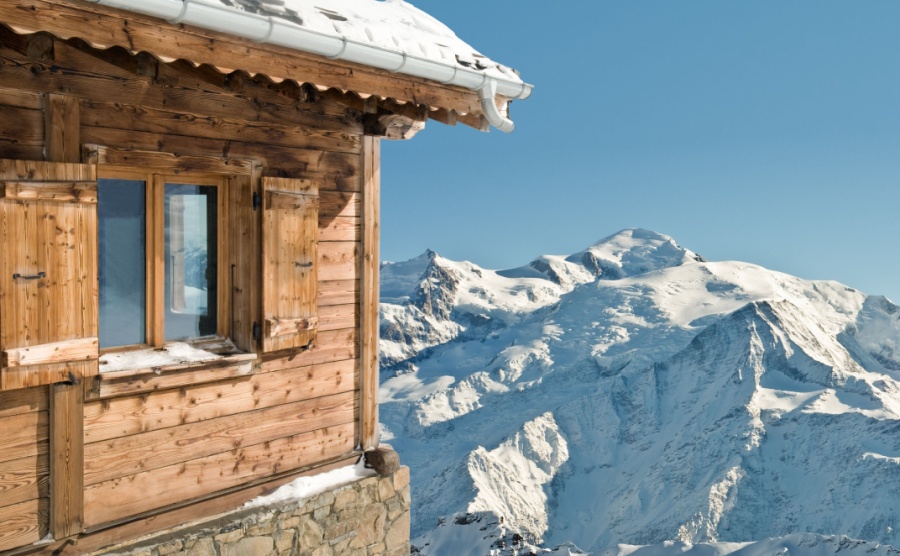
{"x":368,"y":321}
{"x":338,"y":292}
{"x":62,"y":128}
{"x":24,"y":479}
{"x":339,"y":228}
{"x":290,"y":263}
{"x":119,"y":457}
{"x":21,"y":130}
{"x":124,"y":416}
{"x":331,"y":345}
{"x":55,"y":352}
{"x":338,"y":260}
{"x":26,"y":400}
{"x":142,"y":381}
{"x":166,"y":162}
{"x":30,"y":376}
{"x":111,"y":500}
{"x":24,"y":435}
{"x":23,"y":523}
{"x":66,"y":460}
{"x":72,"y":191}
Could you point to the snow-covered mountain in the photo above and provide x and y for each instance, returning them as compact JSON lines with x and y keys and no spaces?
{"x":636,"y":393}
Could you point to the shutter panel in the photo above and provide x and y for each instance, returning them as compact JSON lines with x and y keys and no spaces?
{"x":48,"y":272}
{"x":290,"y":263}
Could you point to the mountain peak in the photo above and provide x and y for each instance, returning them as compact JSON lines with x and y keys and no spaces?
{"x":631,"y":252}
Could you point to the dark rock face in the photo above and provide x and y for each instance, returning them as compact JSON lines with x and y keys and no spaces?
{"x":436,"y":292}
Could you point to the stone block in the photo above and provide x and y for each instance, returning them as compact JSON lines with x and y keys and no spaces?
{"x":311,"y":534}
{"x":347,"y":498}
{"x":250,"y":546}
{"x":229,"y":537}
{"x":401,"y":478}
{"x":377,"y":549}
{"x":385,"y":488}
{"x":398,"y":533}
{"x":203,"y":547}
{"x":290,"y":523}
{"x":284,"y":541}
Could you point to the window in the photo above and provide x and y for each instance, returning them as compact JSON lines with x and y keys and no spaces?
{"x":160,"y":238}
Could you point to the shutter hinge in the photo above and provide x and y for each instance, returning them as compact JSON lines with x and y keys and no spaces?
{"x":257,"y":200}
{"x":257,"y":331}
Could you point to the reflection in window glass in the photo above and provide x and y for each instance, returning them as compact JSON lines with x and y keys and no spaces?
{"x":190,"y":261}
{"x":122,"y":261}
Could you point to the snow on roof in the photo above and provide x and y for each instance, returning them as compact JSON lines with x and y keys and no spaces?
{"x":390,"y":24}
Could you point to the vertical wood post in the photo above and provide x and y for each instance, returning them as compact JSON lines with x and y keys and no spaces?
{"x":66,"y":460}
{"x":62,"y":128}
{"x":371,"y":203}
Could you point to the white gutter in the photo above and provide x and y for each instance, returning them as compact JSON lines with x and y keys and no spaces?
{"x":266,"y":29}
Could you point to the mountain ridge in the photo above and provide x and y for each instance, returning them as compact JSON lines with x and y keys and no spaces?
{"x":641,"y":359}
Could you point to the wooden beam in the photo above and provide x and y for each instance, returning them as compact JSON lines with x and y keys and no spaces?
{"x":173,"y":163}
{"x":280,"y":326}
{"x":368,"y":420}
{"x":66,"y":460}
{"x":67,"y":192}
{"x":103,"y":26}
{"x":82,"y":349}
{"x":62,"y":125}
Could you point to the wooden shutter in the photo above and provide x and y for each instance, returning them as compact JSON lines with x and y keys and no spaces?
{"x":290,"y":263}
{"x":48,"y":272}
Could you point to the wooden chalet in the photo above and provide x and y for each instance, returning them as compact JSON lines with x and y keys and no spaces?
{"x":189,"y":204}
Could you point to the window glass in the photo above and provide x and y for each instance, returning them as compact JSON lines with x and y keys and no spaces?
{"x":190,"y":261}
{"x":122,"y":261}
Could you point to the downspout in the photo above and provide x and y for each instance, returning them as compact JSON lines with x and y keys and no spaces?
{"x":488,"y":96}
{"x":266,"y":29}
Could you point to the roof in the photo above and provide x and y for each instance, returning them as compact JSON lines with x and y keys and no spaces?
{"x":389,"y":24}
{"x":387,"y":34}
{"x":387,"y":50}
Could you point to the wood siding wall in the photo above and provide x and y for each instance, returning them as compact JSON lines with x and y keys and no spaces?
{"x":24,"y":467}
{"x":160,"y":440}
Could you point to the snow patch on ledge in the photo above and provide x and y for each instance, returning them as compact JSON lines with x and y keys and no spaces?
{"x":306,"y":487}
{"x":176,"y":353}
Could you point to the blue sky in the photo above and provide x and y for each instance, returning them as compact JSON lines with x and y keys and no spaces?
{"x":764,"y":131}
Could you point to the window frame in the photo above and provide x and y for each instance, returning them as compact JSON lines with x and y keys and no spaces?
{"x":155,"y":180}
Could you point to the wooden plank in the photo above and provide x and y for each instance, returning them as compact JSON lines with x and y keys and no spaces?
{"x":338,"y":292}
{"x":123,"y":416}
{"x":166,"y":162}
{"x":281,"y":326}
{"x":55,"y":352}
{"x":369,"y":294}
{"x":311,"y":162}
{"x":17,"y":402}
{"x":134,"y":381}
{"x":24,"y":523}
{"x":73,"y":191}
{"x":120,"y":457}
{"x":21,"y":99}
{"x":339,"y":228}
{"x":24,"y":435}
{"x":286,"y":200}
{"x":244,"y":260}
{"x":119,"y":498}
{"x":331,"y":345}
{"x":336,"y":317}
{"x":21,"y":128}
{"x":35,"y":170}
{"x":24,"y":479}
{"x":50,"y":373}
{"x":66,"y":460}
{"x":62,"y":128}
{"x":338,"y":260}
{"x":95,"y":113}
{"x":333,"y":204}
{"x":100,"y":25}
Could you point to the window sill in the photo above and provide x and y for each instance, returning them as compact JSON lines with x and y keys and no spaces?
{"x":175,"y":365}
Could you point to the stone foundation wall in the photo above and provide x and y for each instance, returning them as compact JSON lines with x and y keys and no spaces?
{"x":369,"y":517}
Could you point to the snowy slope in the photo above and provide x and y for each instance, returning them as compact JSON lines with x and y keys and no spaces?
{"x":636,"y":393}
